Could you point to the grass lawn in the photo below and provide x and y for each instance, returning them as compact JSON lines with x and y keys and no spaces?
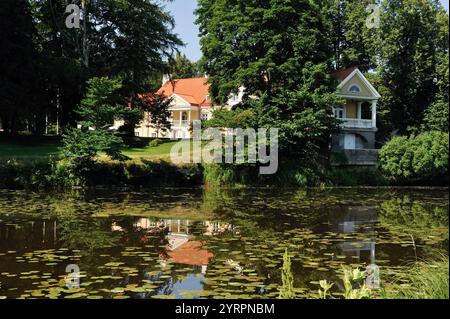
{"x":41,"y":148}
{"x":27,"y":149}
{"x":161,"y":151}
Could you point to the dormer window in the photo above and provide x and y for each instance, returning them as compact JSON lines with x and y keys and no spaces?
{"x":355,"y":89}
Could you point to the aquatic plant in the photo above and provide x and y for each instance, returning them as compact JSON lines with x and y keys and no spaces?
{"x":323,"y":293}
{"x":287,"y":288}
{"x":354,"y":284}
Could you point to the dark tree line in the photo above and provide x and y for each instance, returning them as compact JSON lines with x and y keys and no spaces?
{"x":45,"y":65}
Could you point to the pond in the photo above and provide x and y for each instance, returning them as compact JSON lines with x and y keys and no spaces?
{"x":197,"y":243}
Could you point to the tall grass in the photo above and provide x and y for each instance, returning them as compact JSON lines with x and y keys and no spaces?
{"x":424,"y":280}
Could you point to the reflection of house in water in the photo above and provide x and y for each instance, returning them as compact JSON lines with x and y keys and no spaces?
{"x":182,"y":247}
{"x":358,"y":219}
{"x":215,"y":228}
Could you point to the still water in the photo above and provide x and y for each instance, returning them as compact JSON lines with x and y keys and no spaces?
{"x":195,"y":243}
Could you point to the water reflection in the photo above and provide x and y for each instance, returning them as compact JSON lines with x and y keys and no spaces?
{"x":362,"y":219}
{"x":193,"y":244}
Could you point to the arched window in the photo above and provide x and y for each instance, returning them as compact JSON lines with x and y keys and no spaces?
{"x":354,"y":88}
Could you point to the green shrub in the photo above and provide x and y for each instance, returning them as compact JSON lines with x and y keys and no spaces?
{"x":65,"y":174}
{"x":35,"y":174}
{"x":135,"y":142}
{"x":155,"y":143}
{"x":289,"y":174}
{"x":354,"y":177}
{"x":417,"y":158}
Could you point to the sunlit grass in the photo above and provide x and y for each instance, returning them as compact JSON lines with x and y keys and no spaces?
{"x":160,"y":151}
{"x":11,"y":149}
{"x":423,"y":280}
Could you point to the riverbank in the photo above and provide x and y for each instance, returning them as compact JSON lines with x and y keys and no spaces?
{"x":56,"y":174}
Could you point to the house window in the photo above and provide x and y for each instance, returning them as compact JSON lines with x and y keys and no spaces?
{"x":204,"y":116}
{"x":184,"y":116}
{"x":338,"y":112}
{"x":354,"y":89}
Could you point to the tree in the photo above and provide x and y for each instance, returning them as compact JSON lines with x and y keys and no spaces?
{"x":157,"y":107}
{"x":279,"y":51}
{"x":261,"y":45}
{"x":17,"y":68}
{"x":436,"y":116}
{"x":127,"y":39}
{"x":135,"y":47}
{"x":98,"y":110}
{"x":354,"y":44}
{"x":181,"y":67}
{"x":101,"y":105}
{"x":414,"y":37}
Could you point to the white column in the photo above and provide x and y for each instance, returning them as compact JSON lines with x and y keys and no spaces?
{"x":358,"y":110}
{"x":181,"y":118}
{"x":374,"y":113}
{"x":189,"y":116}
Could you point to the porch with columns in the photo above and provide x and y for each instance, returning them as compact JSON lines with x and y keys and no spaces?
{"x":358,"y":121}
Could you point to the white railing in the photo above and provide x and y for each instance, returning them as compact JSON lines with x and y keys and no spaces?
{"x":178,"y":123}
{"x":357,"y":123}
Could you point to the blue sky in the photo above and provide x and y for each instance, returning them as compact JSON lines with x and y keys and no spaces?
{"x":183,"y":12}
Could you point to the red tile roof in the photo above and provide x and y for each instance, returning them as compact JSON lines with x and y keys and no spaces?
{"x":341,"y":75}
{"x":190,"y":253}
{"x":193,"y":90}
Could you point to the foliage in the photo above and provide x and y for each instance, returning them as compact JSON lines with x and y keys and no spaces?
{"x":279,"y":52}
{"x":423,"y":280}
{"x":353,"y":43}
{"x":237,"y":118}
{"x":83,"y":147}
{"x":17,"y":64}
{"x":436,"y":116}
{"x":260,"y":45}
{"x":413,"y":39}
{"x":127,"y":39}
{"x":287,"y":288}
{"x":354,"y":284}
{"x":354,"y":177}
{"x":155,"y":143}
{"x":180,"y":67}
{"x":66,"y":174}
{"x":325,"y":288}
{"x":421,"y":157}
{"x":101,"y":105}
{"x":98,"y":109}
{"x":158,"y":111}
